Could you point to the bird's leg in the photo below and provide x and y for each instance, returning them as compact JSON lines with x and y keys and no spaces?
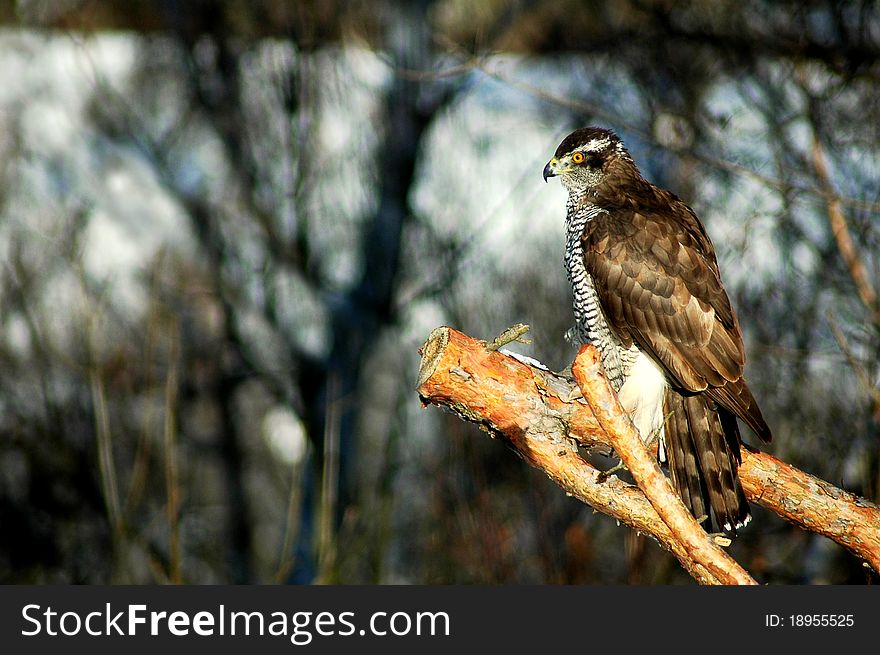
{"x":511,"y":334}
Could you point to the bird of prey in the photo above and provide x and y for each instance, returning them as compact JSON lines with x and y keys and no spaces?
{"x":648,"y":295}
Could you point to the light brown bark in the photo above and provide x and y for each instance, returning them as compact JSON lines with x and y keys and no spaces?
{"x":627,"y":443}
{"x":541,"y":414}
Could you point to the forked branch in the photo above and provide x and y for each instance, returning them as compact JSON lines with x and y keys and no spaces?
{"x":543,"y":417}
{"x":627,"y":443}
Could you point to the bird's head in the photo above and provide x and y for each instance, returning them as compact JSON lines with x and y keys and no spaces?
{"x":585,"y":157}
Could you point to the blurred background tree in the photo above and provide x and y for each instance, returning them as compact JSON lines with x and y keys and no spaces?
{"x":226,"y":228}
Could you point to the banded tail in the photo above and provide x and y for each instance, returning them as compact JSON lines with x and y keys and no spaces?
{"x":703,"y":449}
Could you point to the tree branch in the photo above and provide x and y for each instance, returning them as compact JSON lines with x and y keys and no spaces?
{"x":624,"y":438}
{"x":836,"y":218}
{"x":539,"y":413}
{"x":842,"y":237}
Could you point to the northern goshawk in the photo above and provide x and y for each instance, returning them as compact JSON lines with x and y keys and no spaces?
{"x":648,"y":295}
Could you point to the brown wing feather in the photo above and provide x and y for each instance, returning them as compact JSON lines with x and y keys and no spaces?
{"x":658,"y":283}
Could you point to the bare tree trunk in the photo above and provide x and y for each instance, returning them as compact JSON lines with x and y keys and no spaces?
{"x":357,"y":317}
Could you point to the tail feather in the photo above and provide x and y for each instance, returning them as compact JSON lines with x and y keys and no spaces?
{"x":737,"y":398}
{"x":683,"y":464}
{"x":703,"y":444}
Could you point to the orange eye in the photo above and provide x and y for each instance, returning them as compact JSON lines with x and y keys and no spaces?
{"x":578,"y":158}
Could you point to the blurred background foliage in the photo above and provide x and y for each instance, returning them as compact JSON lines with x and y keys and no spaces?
{"x":226,"y":227}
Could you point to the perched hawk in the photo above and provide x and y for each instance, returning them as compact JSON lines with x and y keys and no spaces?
{"x":648,"y":295}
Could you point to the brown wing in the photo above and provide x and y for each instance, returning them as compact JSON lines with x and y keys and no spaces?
{"x":659,"y":286}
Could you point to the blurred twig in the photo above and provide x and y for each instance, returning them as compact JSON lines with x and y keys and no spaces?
{"x":171,"y":482}
{"x":140,"y":470}
{"x":329,"y":485}
{"x":104,"y":435}
{"x":109,"y":486}
{"x":291,"y":519}
{"x":840,"y":230}
{"x":481,"y":63}
{"x":858,"y":369}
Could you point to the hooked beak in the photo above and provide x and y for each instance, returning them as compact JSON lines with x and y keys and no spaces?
{"x":550,"y":169}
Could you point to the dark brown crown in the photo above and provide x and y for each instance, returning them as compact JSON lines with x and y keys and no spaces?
{"x":583,"y":136}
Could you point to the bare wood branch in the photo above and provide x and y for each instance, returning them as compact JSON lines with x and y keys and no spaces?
{"x":840,"y":231}
{"x":539,"y":413}
{"x":529,"y":408}
{"x":813,"y":504}
{"x":850,"y":254}
{"x":625,"y":439}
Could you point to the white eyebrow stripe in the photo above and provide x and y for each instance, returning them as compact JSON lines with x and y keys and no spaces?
{"x":597,"y":145}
